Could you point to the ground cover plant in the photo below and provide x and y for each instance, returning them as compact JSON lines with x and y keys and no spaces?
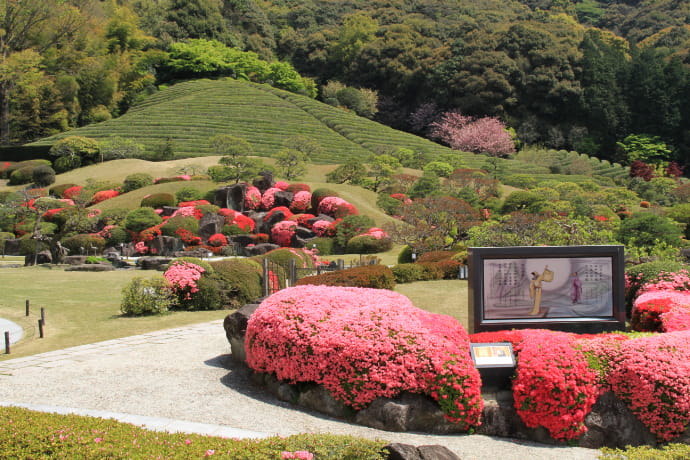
{"x":28,"y":434}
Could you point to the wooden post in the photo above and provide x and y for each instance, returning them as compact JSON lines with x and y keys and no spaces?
{"x":267,"y":278}
{"x":43,"y":315}
{"x":7,"y":342}
{"x":27,"y":307}
{"x":40,"y":328}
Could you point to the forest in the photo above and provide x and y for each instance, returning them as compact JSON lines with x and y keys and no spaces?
{"x":610,"y":79}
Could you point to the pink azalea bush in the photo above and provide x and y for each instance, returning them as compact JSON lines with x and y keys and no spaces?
{"x":252,"y":198}
{"x":268,"y":198}
{"x":362,"y":343}
{"x":282,"y":232}
{"x":188,"y":211}
{"x":282,"y":185}
{"x":554,"y":387}
{"x":320,"y":227}
{"x":377,"y":233}
{"x":652,"y":375}
{"x":182,"y":277}
{"x":663,"y":306}
{"x":301,"y":202}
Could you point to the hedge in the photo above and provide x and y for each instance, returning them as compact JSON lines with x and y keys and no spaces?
{"x":370,"y":276}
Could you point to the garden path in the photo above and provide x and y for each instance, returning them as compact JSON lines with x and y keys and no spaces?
{"x":185,"y":380}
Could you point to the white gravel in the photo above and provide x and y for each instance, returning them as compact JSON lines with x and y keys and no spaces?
{"x":187,"y":374}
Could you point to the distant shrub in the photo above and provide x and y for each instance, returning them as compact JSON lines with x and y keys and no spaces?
{"x":165,"y":180}
{"x":116,"y":236}
{"x":366,"y":244}
{"x":371,"y":276}
{"x":83,"y":243}
{"x":435,"y":256}
{"x":158,"y":200}
{"x":405,"y":255}
{"x":172,"y":225}
{"x":136,"y":181}
{"x":283,"y":257}
{"x":145,"y":296}
{"x":432,"y":271}
{"x":323,"y":245}
{"x":43,"y":176}
{"x":238,"y":280}
{"x":21,"y":176}
{"x":29,"y":246}
{"x":525,"y":181}
{"x":68,"y":163}
{"x":141,"y":218}
{"x":450,"y":268}
{"x":189,"y":194}
{"x":408,"y":273}
{"x":298,"y":187}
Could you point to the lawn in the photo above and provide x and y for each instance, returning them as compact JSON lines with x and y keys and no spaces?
{"x":84,"y":307}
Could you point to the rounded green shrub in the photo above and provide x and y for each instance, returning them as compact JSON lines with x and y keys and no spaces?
{"x":116,"y":236}
{"x":408,"y":273}
{"x":136,"y":181}
{"x":21,"y":176}
{"x":67,"y":163}
{"x":146,"y":296}
{"x":43,"y":176}
{"x":175,"y":223}
{"x":28,"y":245}
{"x":206,"y":298}
{"x":142,"y":218}
{"x":189,"y":194}
{"x":367,"y":244}
{"x":432,"y":271}
{"x":208,"y":268}
{"x":158,"y":200}
{"x":323,"y":245}
{"x":83,"y":243}
{"x":405,"y":255}
{"x":238,"y":280}
{"x":283,"y":256}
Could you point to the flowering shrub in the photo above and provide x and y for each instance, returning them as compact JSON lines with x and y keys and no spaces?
{"x":553,"y":386}
{"x":299,"y":454}
{"x":141,"y":248}
{"x":72,"y":192}
{"x":252,"y":199}
{"x":377,"y":233}
{"x":189,"y":211}
{"x":301,"y":202}
{"x":268,"y":198}
{"x":281,"y":185}
{"x":303,"y":219}
{"x":652,"y":375}
{"x":286,"y":212}
{"x":183,"y":277}
{"x":188,"y":237}
{"x":661,"y":310}
{"x":282,"y":232}
{"x":184,"y":204}
{"x":217,"y":240}
{"x":361,"y":344}
{"x":298,"y":187}
{"x":320,"y":227}
{"x":104,"y":195}
{"x":336,"y":207}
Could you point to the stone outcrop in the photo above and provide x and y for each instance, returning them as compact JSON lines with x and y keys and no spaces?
{"x":609,"y":424}
{"x":398,"y":451}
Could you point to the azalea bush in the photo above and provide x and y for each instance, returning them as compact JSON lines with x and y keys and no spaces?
{"x":362,"y":344}
{"x":183,"y":277}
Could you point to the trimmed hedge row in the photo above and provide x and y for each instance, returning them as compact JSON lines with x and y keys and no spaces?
{"x":370,"y":276}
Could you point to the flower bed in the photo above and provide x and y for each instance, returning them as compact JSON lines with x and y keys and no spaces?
{"x":362,"y":344}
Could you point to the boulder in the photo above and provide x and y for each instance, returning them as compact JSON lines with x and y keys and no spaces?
{"x":105,"y":267}
{"x":235,"y":326}
{"x":210,"y":224}
{"x":317,"y":398}
{"x":231,"y":197}
{"x":165,"y":246}
{"x":153,"y":263}
{"x":264,"y":181}
{"x":168,"y":211}
{"x":399,"y":451}
{"x":260,"y":249}
{"x":283,"y":198}
{"x":74,"y":260}
{"x":274,"y":218}
{"x":43,"y":257}
{"x":320,"y":217}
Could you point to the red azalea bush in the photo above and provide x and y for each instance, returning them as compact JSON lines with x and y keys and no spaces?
{"x":72,"y":192}
{"x":104,"y":195}
{"x":662,"y":306}
{"x":301,"y":201}
{"x":303,"y":219}
{"x":282,"y":185}
{"x":183,"y":204}
{"x":320,"y":227}
{"x":189,"y":211}
{"x":361,"y":344}
{"x":652,"y":375}
{"x":282,"y":232}
{"x":217,"y":240}
{"x":554,"y":387}
{"x":286,"y":212}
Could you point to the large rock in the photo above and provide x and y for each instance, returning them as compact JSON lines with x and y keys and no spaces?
{"x":210,"y":224}
{"x":317,"y":398}
{"x":612,"y":424}
{"x":283,"y":198}
{"x":43,"y":257}
{"x":260,"y":249}
{"x":235,"y":326}
{"x":398,"y":451}
{"x":153,"y":263}
{"x":231,"y":197}
{"x":165,"y":246}
{"x":264,"y":181}
{"x":274,"y":218}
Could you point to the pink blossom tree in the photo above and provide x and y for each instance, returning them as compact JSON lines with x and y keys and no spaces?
{"x":482,"y":135}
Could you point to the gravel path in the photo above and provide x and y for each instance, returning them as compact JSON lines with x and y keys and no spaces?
{"x":187,"y":374}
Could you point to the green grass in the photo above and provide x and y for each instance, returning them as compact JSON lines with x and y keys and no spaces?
{"x":80,"y":308}
{"x":30,"y":434}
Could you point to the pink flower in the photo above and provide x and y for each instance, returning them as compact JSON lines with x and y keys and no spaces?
{"x":282,"y":232}
{"x":98,"y":440}
{"x":209,"y":453}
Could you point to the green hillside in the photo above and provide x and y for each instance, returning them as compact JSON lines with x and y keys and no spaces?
{"x":192,"y":112}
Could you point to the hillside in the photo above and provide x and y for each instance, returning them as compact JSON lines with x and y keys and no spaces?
{"x":191,"y":112}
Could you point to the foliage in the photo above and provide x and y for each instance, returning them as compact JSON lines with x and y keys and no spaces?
{"x":351,"y":226}
{"x":158,"y":200}
{"x":84,"y":148}
{"x":75,"y":436}
{"x":292,"y":163}
{"x":239,"y":281}
{"x":141,"y":218}
{"x":144,"y":296}
{"x":368,"y":276}
{"x":484,"y":135}
{"x":136,"y":181}
{"x":378,"y":346}
{"x":172,"y":225}
{"x":83,"y":244}
{"x":669,"y":451}
{"x":367,"y":244}
{"x":646,"y":229}
{"x":188,"y":194}
{"x":43,"y":176}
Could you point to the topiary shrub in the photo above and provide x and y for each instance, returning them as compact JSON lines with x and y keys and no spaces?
{"x":67,"y":163}
{"x":324,"y":246}
{"x":298,"y":187}
{"x":238,"y":280}
{"x":136,"y":181}
{"x":405,"y":255}
{"x":366,"y":244}
{"x":142,"y":218}
{"x":408,"y":273}
{"x":638,"y":275}
{"x":115,"y":236}
{"x":83,"y":243}
{"x":208,"y":268}
{"x":435,"y":256}
{"x":450,"y":268}
{"x":21,"y":176}
{"x":432,"y":271}
{"x":43,"y":176}
{"x":146,"y":296}
{"x":371,"y":276}
{"x":158,"y":200}
{"x":189,"y":194}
